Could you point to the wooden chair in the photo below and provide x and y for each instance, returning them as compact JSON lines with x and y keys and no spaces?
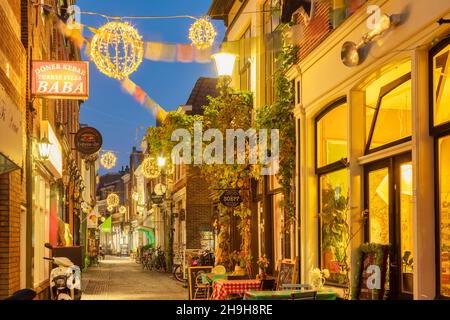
{"x":202,"y":287}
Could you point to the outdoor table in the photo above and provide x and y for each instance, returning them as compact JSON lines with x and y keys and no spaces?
{"x":286,"y":295}
{"x":224,"y":288}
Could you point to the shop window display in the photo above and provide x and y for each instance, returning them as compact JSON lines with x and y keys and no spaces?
{"x":444,"y":214}
{"x":441,"y":86}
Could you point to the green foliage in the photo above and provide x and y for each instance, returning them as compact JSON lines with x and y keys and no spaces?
{"x":280,"y":115}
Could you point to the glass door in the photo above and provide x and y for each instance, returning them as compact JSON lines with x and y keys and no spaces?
{"x":388,"y":200}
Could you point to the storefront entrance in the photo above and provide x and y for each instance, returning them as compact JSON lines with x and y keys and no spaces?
{"x":389,"y":202}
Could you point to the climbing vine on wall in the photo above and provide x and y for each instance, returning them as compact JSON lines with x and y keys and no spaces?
{"x":280,"y":115}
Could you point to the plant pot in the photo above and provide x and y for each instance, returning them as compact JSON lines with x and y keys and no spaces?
{"x":408,"y":282}
{"x":238,"y":271}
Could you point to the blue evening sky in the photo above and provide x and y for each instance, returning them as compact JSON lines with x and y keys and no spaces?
{"x":120,"y":119}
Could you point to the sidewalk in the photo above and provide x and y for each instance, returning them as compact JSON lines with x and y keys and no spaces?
{"x":123,"y":279}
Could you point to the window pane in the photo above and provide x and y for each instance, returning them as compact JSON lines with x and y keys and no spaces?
{"x":441,"y":85}
{"x":394,"y":121}
{"x":406,"y":231}
{"x":444,"y":205}
{"x":332,"y":136}
{"x":379,"y":206}
{"x":333,"y":213}
{"x":278,"y":225}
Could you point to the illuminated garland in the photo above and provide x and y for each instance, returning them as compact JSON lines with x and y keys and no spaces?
{"x":117,"y":49}
{"x":112,"y":200}
{"x":122,"y":209}
{"x":108,"y":160}
{"x":150,"y":169}
{"x":202,"y":33}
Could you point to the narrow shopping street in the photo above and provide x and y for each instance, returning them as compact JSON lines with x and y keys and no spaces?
{"x":122,"y":279}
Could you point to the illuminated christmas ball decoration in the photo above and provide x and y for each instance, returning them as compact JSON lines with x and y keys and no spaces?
{"x":110,"y":208}
{"x":202,"y":33}
{"x":117,"y":49}
{"x":122,"y":209}
{"x":112,"y":200}
{"x":108,"y":160}
{"x":150,"y":168}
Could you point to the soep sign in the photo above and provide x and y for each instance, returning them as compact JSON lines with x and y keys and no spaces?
{"x":60,"y":79}
{"x":231,"y":198}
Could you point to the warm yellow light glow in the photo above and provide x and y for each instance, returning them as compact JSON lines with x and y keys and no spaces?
{"x":135,"y":196}
{"x":117,"y":49}
{"x":161,"y":162}
{"x":112,"y":200}
{"x":150,"y":169}
{"x":108,"y":160}
{"x":224,"y":63}
{"x":45,"y":148}
{"x":407,"y":179}
{"x":122,"y":210}
{"x":110,"y":208}
{"x":202,"y":33}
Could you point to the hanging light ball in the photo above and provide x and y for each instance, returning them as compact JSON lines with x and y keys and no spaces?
{"x":108,"y":160}
{"x":112,"y":200}
{"x":202,"y":33}
{"x":110,"y":208}
{"x":150,"y":168}
{"x":117,"y":49}
{"x":122,"y":209}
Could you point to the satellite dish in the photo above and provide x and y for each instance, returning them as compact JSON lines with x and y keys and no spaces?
{"x":350,"y":54}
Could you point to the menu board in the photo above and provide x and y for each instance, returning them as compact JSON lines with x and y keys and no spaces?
{"x":193,"y":272}
{"x":287,"y":272}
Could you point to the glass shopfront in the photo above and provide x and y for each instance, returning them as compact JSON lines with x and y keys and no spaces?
{"x":440,"y":128}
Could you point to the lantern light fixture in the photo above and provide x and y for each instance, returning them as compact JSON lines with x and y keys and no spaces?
{"x":224,"y":63}
{"x":44,"y":146}
{"x":161,"y":161}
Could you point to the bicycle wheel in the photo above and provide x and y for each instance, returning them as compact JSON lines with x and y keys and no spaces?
{"x":178,"y":273}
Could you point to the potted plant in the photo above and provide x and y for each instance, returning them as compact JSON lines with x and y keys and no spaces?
{"x":263,"y":264}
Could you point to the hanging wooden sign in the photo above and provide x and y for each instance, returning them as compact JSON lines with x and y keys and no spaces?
{"x":231,"y":198}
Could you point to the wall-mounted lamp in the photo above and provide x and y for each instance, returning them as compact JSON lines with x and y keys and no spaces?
{"x":350,"y":53}
{"x":224,"y":63}
{"x":44,"y":147}
{"x":161,"y":162}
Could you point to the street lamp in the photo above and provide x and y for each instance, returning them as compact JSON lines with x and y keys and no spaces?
{"x":44,"y":147}
{"x":161,"y":162}
{"x":224,"y":63}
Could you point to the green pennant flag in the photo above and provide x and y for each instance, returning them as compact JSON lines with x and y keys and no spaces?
{"x":107,"y":225}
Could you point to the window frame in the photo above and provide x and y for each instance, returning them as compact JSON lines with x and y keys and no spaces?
{"x":437,"y":132}
{"x":385,"y":90}
{"x":325,"y":170}
{"x":443,"y":128}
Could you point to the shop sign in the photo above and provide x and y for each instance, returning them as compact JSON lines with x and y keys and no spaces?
{"x":231,"y":198}
{"x":60,"y":79}
{"x":54,"y":161}
{"x":157,"y":199}
{"x":10,"y":133}
{"x":88,"y":140}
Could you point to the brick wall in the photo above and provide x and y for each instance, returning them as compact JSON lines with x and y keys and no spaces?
{"x":198,"y":207}
{"x":10,"y":195}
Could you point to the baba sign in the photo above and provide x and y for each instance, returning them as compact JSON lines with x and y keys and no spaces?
{"x":60,"y":79}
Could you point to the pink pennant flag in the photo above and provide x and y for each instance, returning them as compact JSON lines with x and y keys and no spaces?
{"x":128,"y":86}
{"x":185,"y":53}
{"x":203,"y":55}
{"x":139,"y":95}
{"x":168,"y":52}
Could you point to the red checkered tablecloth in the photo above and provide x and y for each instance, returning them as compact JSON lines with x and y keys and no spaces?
{"x":223,"y":288}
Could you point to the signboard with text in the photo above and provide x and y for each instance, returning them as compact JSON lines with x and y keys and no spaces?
{"x":88,"y":140}
{"x":231,"y":198}
{"x":60,"y":79}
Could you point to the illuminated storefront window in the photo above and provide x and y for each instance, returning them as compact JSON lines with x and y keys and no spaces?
{"x":332,"y":153}
{"x":440,"y":114}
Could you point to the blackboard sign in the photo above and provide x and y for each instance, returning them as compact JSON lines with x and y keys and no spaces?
{"x":371,"y":271}
{"x":193,"y":273}
{"x":231,"y":198}
{"x":287,"y":272}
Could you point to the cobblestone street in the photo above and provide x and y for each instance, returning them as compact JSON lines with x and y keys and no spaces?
{"x":123,"y":279}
